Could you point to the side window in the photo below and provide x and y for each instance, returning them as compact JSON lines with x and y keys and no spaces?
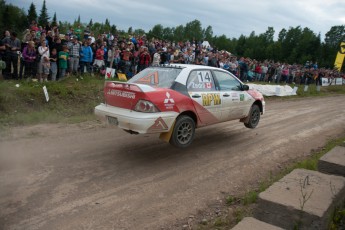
{"x":227,"y":81}
{"x":200,"y":80}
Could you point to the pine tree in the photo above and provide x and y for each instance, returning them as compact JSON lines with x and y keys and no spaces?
{"x":43,"y":18}
{"x":54,"y":22}
{"x":32,"y":14}
{"x":90,"y":23}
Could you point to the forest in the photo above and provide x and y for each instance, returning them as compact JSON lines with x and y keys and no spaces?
{"x":293,"y":45}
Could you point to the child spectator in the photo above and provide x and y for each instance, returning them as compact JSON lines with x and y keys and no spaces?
{"x":53,"y":64}
{"x":63,"y":58}
{"x":44,"y":63}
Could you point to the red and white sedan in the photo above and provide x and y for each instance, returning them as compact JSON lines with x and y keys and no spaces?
{"x":174,"y":100}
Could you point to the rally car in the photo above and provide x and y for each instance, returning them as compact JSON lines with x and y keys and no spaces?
{"x":174,"y":100}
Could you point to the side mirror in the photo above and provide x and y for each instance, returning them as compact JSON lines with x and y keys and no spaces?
{"x":245,"y":87}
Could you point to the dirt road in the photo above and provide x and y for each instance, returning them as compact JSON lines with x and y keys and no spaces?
{"x":90,"y":176}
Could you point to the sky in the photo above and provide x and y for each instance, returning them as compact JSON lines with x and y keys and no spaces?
{"x":226,"y":17}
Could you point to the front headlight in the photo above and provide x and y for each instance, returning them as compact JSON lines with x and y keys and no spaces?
{"x":146,"y":107}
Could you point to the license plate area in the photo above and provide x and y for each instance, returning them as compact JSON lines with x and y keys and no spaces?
{"x":112,"y":120}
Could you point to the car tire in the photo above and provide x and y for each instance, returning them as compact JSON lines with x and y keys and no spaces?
{"x":184,"y":131}
{"x":254,"y":117}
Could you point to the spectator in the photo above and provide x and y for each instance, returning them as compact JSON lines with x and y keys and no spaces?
{"x":74,"y":55}
{"x":126,"y":57}
{"x":144,"y":59}
{"x":29,"y":60}
{"x":63,"y":57}
{"x":13,"y":46}
{"x":86,"y":57}
{"x":44,"y":62}
{"x":53,"y":64}
{"x":99,"y":59}
{"x":87,"y":33}
{"x":77,"y":32}
{"x":2,"y":51}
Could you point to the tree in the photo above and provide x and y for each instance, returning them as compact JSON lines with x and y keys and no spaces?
{"x":157,"y":31}
{"x":335,"y":36}
{"x":179,"y":33}
{"x":54,"y":21}
{"x":12,"y":18}
{"x":208,"y":34}
{"x":90,"y":23}
{"x":130,"y":30}
{"x":193,"y":30}
{"x":43,"y":17}
{"x":32,"y":14}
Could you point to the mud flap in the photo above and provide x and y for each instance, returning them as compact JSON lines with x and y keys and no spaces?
{"x":167,"y":135}
{"x":245,"y":119}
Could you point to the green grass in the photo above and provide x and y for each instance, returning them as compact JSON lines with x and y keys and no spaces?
{"x":70,"y":101}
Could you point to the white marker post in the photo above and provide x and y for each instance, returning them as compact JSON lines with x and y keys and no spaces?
{"x":46,"y":93}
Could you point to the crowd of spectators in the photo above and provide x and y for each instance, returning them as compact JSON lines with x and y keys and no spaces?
{"x":44,"y":54}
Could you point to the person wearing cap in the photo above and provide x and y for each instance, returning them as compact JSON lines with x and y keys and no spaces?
{"x":74,"y":54}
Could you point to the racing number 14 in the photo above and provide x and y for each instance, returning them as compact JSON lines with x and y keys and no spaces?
{"x":205,"y":78}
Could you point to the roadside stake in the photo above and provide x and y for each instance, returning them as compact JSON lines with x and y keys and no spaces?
{"x":46,"y":93}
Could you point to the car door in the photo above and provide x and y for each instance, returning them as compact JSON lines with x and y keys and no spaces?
{"x":235,"y":102}
{"x":206,"y":99}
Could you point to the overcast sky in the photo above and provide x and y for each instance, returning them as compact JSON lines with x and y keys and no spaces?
{"x":231,"y":18}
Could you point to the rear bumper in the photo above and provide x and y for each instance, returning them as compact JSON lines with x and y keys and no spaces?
{"x":136,"y":121}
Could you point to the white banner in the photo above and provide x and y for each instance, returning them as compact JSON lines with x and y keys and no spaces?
{"x":334,"y":81}
{"x":109,"y":73}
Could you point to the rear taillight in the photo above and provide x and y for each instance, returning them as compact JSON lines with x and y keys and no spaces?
{"x":146,"y":107}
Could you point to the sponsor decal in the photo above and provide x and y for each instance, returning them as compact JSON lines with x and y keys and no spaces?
{"x":159,"y":125}
{"x":209,"y":98}
{"x":193,"y":85}
{"x":235,"y":97}
{"x":120,"y":93}
{"x":241,"y":97}
{"x":169,"y":102}
{"x":151,"y":79}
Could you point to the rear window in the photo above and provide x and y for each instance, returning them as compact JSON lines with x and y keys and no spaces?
{"x":156,"y":77}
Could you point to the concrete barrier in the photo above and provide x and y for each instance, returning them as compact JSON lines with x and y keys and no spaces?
{"x":302,"y":199}
{"x":333,"y":162}
{"x":249,"y":223}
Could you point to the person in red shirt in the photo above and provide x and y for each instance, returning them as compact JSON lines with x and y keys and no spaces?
{"x":144,"y":59}
{"x":126,"y":57}
{"x":99,"y":59}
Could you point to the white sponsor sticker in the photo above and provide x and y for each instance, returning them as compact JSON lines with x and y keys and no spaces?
{"x":121,"y":93}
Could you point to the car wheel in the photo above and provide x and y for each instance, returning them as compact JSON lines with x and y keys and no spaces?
{"x":183,"y":133}
{"x":254,"y":117}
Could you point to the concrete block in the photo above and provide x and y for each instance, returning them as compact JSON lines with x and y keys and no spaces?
{"x":333,"y":162}
{"x":302,"y":199}
{"x":249,"y":223}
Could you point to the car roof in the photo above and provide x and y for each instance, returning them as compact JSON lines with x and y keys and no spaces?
{"x":189,"y":66}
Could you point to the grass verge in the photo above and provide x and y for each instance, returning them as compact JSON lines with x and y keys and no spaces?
{"x":70,"y":101}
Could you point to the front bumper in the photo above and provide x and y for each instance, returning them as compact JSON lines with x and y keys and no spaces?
{"x":136,"y":121}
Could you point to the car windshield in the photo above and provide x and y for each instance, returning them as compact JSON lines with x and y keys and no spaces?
{"x":156,"y":76}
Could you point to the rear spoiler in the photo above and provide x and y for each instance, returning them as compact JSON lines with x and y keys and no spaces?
{"x":129,"y":86}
